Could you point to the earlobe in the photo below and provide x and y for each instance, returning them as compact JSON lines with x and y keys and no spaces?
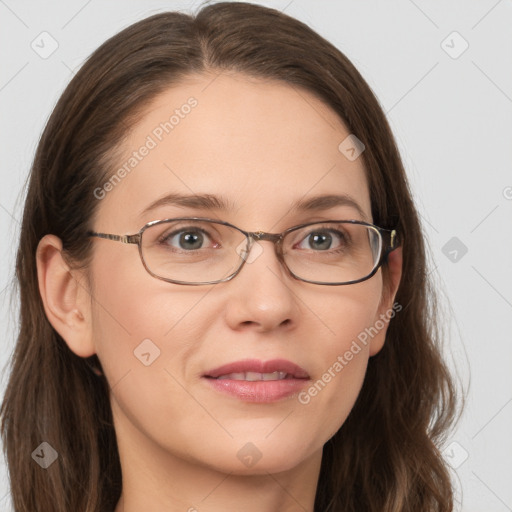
{"x":387,"y":308}
{"x":64,"y":298}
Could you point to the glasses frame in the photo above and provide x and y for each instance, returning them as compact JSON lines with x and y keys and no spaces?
{"x":389,"y":239}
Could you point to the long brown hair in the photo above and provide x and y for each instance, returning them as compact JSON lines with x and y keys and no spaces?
{"x":386,"y":456}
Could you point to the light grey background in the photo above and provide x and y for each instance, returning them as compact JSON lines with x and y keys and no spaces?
{"x":451,"y":115}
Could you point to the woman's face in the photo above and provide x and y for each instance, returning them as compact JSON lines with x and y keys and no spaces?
{"x":259,"y":147}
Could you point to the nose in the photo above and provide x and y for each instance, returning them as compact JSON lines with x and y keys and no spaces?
{"x":262,"y":296}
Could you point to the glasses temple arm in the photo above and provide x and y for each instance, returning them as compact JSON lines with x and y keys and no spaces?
{"x":125,"y":239}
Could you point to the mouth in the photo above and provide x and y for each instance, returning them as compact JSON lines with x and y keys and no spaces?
{"x":255,"y":376}
{"x":253,"y":370}
{"x":258,"y":381}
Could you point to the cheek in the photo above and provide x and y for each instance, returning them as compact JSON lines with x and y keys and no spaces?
{"x":347,"y":312}
{"x":342,"y":354}
{"x":144,"y":333}
{"x":140,"y":323}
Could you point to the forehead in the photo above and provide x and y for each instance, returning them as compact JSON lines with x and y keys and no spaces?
{"x":261,"y":144}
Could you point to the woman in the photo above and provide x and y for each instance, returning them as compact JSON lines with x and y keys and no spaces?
{"x":273,"y":332}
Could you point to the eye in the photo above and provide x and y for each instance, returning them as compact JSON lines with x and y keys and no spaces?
{"x":187,"y":239}
{"x":322,"y":240}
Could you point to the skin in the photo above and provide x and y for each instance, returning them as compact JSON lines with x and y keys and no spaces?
{"x":262,"y":145}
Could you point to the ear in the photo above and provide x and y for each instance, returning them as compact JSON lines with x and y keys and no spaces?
{"x":387,"y":307}
{"x":66,"y":301}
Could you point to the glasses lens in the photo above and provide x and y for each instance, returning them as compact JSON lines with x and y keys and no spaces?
{"x":332,"y":252}
{"x":192,"y":251}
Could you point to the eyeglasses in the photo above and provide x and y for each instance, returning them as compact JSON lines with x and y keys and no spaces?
{"x":195,"y":251}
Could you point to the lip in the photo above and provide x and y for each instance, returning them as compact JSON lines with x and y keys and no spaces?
{"x":258,"y":391}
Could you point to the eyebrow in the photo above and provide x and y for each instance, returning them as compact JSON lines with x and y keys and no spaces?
{"x":326,"y":202}
{"x":213,"y":202}
{"x":200,"y":202}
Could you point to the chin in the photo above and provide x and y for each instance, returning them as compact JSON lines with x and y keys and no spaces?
{"x":277,"y":463}
{"x":256,"y":456}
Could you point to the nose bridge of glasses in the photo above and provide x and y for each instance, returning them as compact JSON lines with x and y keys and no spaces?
{"x":269,"y":237}
{"x":261,"y":236}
